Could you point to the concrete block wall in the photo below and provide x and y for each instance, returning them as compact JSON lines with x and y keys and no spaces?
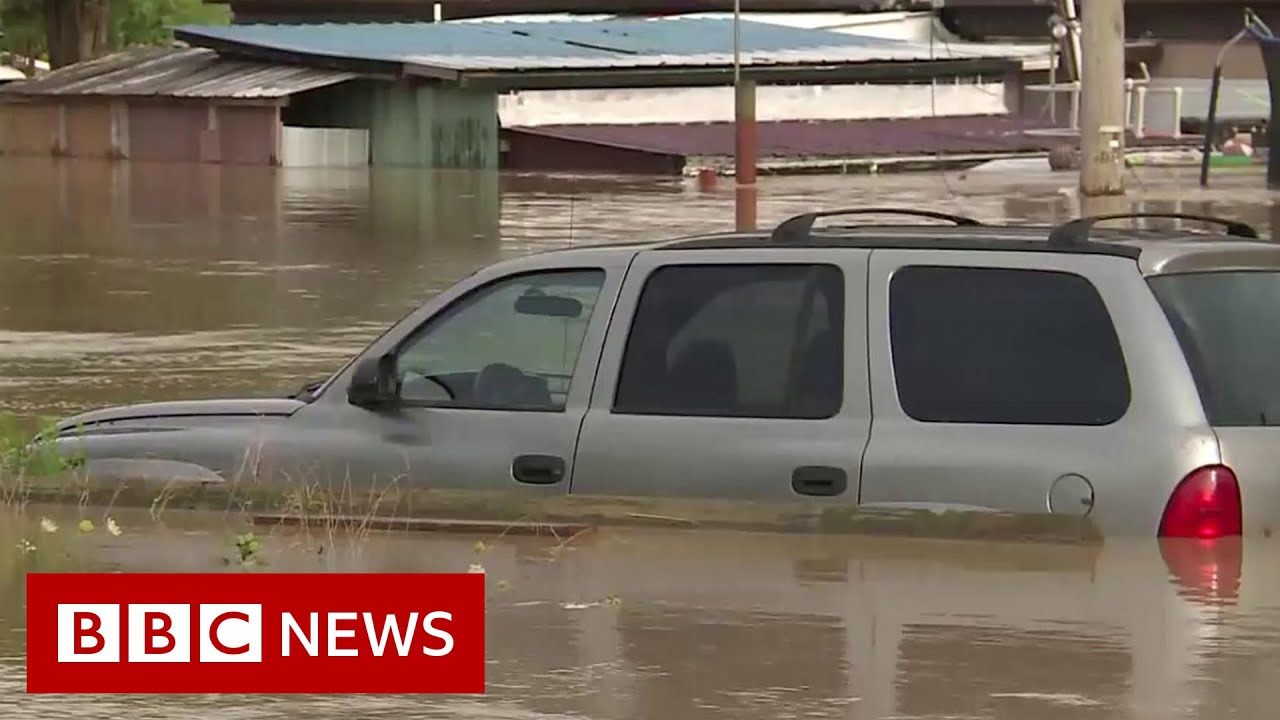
{"x":416,"y":124}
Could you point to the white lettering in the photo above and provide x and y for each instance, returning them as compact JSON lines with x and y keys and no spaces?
{"x":230,"y":633}
{"x":88,"y":633}
{"x":159,"y":633}
{"x":448,"y":639}
{"x":335,"y":633}
{"x":390,"y":625}
{"x":310,"y":641}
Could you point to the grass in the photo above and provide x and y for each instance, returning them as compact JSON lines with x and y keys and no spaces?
{"x":28,"y":454}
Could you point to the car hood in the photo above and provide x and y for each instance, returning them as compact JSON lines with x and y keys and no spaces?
{"x":191,"y":409}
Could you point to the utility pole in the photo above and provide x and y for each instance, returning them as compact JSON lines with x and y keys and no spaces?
{"x":744,"y":129}
{"x":1102,"y":120}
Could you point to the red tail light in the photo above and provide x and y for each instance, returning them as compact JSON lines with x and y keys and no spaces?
{"x":1206,"y":504}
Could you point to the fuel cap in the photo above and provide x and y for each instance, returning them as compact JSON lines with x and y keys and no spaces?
{"x":1071,"y":494}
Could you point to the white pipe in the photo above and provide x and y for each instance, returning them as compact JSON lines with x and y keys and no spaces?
{"x":1073,"y":23}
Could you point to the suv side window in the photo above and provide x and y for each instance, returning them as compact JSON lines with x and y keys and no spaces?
{"x":1011,"y":346}
{"x":509,"y":345}
{"x":740,"y":340}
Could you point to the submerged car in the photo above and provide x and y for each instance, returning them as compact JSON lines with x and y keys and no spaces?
{"x":1131,"y":375}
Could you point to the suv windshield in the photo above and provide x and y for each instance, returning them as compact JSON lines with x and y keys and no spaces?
{"x":1228,"y":323}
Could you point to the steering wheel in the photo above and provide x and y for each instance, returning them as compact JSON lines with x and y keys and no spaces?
{"x":434,"y":379}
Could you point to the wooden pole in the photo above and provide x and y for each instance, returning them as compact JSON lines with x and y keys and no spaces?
{"x":1102,"y":125}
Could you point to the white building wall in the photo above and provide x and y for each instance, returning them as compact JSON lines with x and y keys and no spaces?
{"x":324,"y":147}
{"x":773,"y":103}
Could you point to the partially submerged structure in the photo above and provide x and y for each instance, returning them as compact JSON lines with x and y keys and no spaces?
{"x":158,"y":104}
{"x":419,"y":94}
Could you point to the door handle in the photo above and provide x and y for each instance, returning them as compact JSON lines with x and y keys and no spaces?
{"x":538,"y":469}
{"x":819,"y":480}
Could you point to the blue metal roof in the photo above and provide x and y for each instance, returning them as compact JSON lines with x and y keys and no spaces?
{"x":613,"y":43}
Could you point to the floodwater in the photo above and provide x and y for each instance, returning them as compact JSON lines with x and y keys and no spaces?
{"x":133,"y":283}
{"x":699,"y":625}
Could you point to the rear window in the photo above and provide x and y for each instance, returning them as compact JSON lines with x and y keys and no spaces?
{"x":1004,"y":346}
{"x":1228,"y":324}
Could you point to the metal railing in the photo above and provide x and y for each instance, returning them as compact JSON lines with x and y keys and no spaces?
{"x":1135,"y":106}
{"x":1065,"y":31}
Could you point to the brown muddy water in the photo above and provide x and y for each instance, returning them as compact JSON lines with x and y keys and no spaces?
{"x":623,"y":624}
{"x":133,"y":283}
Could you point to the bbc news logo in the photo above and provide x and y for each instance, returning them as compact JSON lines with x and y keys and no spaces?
{"x":255,"y":633}
{"x":162,"y":633}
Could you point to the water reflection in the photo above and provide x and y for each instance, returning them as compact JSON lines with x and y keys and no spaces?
{"x":121,"y":283}
{"x":1012,"y":674}
{"x":124,"y":282}
{"x":660,"y":624}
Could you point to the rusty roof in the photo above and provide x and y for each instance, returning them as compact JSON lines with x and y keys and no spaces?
{"x":880,"y":137}
{"x":177,"y":73}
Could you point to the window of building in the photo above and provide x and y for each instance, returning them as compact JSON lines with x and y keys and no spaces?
{"x":995,"y":345}
{"x":736,"y":341}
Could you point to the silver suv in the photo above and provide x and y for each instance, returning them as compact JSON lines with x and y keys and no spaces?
{"x":1132,"y":375}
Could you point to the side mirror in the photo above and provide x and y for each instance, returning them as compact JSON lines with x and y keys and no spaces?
{"x":373,"y":382}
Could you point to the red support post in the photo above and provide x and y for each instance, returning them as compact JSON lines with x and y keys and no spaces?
{"x":745,"y":155}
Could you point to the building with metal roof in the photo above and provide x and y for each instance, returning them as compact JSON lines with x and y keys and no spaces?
{"x":414,"y":94}
{"x":160,"y":72}
{"x":313,"y":11}
{"x":509,"y":55}
{"x":158,"y":104}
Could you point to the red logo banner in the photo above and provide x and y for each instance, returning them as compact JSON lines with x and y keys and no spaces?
{"x":255,"y":633}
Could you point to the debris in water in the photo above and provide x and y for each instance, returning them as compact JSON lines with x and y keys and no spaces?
{"x":1055,"y":698}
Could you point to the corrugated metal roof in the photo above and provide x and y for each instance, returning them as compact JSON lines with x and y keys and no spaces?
{"x":177,"y":72}
{"x":917,"y":27}
{"x":614,"y":43}
{"x":828,"y":138}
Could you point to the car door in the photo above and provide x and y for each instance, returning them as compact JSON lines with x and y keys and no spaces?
{"x":999,"y":381}
{"x":494,"y":379}
{"x":732,"y":373}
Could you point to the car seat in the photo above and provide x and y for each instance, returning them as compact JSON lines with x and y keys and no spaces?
{"x":703,"y":377}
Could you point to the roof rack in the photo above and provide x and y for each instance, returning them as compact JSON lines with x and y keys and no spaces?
{"x":1076,"y":232}
{"x":797,"y":228}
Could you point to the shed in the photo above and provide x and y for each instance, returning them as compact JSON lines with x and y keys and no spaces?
{"x":157,"y":104}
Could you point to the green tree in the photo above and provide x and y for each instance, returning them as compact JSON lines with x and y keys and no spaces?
{"x":148,"y":22}
{"x":71,"y":31}
{"x":22,"y":28}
